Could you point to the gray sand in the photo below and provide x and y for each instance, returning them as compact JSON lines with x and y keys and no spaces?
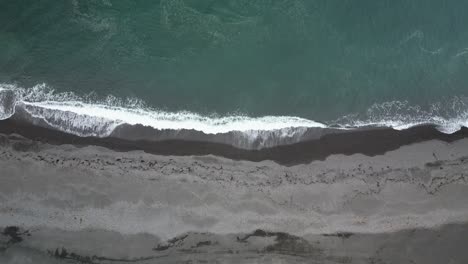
{"x":401,"y":207}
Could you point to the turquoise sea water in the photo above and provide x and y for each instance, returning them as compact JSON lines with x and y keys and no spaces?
{"x":315,"y":59}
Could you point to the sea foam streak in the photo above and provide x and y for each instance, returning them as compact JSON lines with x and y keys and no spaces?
{"x":179,"y":120}
{"x":84,"y":116}
{"x":448,"y":116}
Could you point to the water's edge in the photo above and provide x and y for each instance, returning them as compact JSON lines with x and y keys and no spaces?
{"x":133,"y":120}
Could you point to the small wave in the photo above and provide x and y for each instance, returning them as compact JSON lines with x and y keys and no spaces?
{"x":448,"y":116}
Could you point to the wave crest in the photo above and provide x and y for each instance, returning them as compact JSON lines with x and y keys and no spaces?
{"x":86,"y":116}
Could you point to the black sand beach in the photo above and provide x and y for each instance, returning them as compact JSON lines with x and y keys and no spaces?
{"x":368,"y":196}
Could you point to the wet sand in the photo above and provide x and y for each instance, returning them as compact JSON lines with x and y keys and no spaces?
{"x":369,"y":142}
{"x":65,"y":199}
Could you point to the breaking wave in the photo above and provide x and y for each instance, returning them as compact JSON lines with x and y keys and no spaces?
{"x":133,"y":119}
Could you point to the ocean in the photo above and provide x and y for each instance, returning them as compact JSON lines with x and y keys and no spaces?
{"x":257,"y":67}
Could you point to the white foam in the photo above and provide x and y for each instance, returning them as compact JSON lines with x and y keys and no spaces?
{"x":73,"y":114}
{"x":179,"y":120}
{"x":89,"y":117}
{"x":447,"y":126}
{"x":448,"y":117}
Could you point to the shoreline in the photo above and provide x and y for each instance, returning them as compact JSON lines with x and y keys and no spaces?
{"x":369,"y":142}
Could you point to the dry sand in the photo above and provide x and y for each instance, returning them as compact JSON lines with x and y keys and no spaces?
{"x":67,"y":203}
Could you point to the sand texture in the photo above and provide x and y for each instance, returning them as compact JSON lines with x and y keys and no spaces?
{"x":96,"y":205}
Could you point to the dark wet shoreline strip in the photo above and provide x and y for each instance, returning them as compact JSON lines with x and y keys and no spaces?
{"x":369,"y":142}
